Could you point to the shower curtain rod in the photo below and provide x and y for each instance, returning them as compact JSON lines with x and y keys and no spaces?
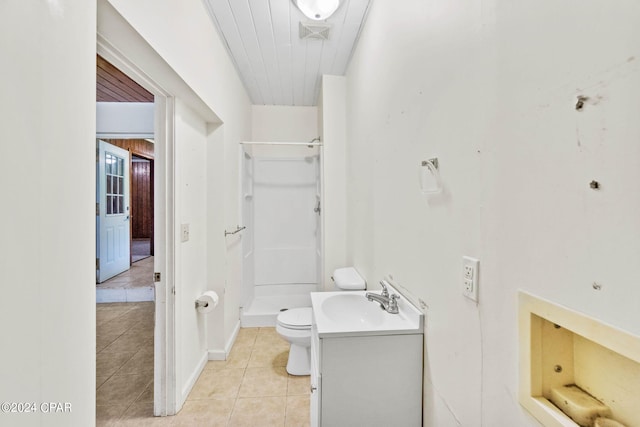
{"x":309,"y":144}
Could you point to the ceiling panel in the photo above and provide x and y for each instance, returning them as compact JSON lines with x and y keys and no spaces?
{"x":267,"y":47}
{"x":298,"y":62}
{"x":276,"y":66}
{"x":246,"y":26}
{"x":280,"y":24}
{"x":312,"y":71}
{"x":112,"y":85}
{"x":220,"y":12}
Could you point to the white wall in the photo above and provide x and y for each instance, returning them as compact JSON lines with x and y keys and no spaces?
{"x":490,"y":89}
{"x":184,"y":36}
{"x":273,"y":123}
{"x":125,"y":119}
{"x":190,"y":256}
{"x":332,"y":116}
{"x":47,"y":117}
{"x":279,"y":123}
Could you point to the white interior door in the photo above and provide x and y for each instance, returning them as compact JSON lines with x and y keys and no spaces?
{"x":112,"y":221}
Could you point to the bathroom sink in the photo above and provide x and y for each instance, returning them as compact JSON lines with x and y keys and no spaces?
{"x":347,"y":308}
{"x":351,"y":314}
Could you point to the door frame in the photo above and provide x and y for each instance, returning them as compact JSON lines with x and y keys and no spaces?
{"x":164,"y":393}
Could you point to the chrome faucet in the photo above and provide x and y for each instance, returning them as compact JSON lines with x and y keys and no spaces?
{"x":385,"y":291}
{"x":387,"y":303}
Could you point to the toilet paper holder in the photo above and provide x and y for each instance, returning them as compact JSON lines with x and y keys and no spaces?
{"x":203,"y":304}
{"x":206,"y":302}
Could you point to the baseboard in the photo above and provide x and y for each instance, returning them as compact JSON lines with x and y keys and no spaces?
{"x":192,"y":381}
{"x":224,"y":354}
{"x":232,"y":338}
{"x":258,"y":320}
{"x":217,"y":355}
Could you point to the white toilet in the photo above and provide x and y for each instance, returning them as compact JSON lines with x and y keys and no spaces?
{"x":294,"y":325}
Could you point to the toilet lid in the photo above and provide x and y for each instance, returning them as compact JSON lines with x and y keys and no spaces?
{"x":296,"y":318}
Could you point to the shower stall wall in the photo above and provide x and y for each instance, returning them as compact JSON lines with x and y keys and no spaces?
{"x":282,"y":246}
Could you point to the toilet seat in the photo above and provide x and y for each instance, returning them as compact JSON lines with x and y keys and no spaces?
{"x":296,"y":318}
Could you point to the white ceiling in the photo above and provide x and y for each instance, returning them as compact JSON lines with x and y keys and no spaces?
{"x":276,"y":66}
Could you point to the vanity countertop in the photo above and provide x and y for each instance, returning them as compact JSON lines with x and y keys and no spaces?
{"x":349,"y":313}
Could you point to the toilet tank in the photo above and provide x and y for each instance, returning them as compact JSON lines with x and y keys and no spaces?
{"x":348,"y":279}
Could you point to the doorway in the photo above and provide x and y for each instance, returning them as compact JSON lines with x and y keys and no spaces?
{"x":125,"y":312}
{"x":125,"y":124}
{"x":141,"y":207}
{"x":134,"y":281}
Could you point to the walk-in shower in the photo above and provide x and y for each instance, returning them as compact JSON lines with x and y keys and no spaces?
{"x":282,"y":245}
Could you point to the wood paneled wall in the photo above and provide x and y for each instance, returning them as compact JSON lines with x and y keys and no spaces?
{"x":138,"y":147}
{"x":141,"y":200}
{"x":112,"y":85}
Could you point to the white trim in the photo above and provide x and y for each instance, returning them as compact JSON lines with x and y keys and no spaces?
{"x":164,"y":167}
{"x":111,"y":53}
{"x":224,"y":354}
{"x":217,"y":355}
{"x":321,"y":263}
{"x":192,"y":379}
{"x":232,"y":338}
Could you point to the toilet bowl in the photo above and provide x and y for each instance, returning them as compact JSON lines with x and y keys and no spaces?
{"x":294,"y":325}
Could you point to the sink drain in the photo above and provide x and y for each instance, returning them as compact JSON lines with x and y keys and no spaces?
{"x":284,"y":309}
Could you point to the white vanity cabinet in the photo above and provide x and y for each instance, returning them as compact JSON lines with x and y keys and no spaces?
{"x":369,"y":380}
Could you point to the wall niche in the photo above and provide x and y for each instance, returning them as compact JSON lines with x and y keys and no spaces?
{"x":567,"y":359}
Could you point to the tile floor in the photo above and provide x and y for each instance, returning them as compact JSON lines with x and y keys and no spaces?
{"x":124,"y":360}
{"x":133,"y":285}
{"x":251,"y":388}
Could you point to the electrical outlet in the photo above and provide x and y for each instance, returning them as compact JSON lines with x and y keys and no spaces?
{"x":468,"y":286}
{"x":184,"y":229}
{"x":470,"y":277}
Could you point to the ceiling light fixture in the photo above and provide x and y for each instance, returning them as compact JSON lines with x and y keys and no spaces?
{"x":318,"y":10}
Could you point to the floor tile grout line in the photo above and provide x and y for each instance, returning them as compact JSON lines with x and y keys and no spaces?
{"x":114,"y":373}
{"x":235,"y":400}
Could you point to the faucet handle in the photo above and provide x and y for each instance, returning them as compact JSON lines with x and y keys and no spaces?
{"x":385,"y":291}
{"x":393,"y":304}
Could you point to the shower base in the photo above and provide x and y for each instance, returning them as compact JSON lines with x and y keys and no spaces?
{"x":263,"y":309}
